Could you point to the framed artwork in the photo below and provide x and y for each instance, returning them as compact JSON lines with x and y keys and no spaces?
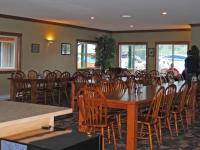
{"x":151,"y":52}
{"x":65,"y":48}
{"x":35,"y":48}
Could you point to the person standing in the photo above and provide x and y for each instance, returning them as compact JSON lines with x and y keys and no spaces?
{"x":191,"y":65}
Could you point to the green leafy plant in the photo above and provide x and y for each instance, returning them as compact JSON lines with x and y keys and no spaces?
{"x":105,"y":51}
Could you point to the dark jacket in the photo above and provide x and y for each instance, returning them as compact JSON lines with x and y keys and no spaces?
{"x":192,"y":64}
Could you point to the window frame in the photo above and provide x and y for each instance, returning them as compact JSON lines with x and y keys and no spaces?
{"x":132,"y":43}
{"x":170,"y":43}
{"x":17,"y":53}
{"x":86,"y":41}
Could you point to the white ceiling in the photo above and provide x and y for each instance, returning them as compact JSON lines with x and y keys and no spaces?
{"x":146,"y":14}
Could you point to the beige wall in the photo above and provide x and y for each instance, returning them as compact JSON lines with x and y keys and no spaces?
{"x":151,"y":38}
{"x":50,"y":56}
{"x":195,"y":36}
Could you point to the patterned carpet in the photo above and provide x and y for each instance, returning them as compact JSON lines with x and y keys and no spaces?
{"x":187,"y":140}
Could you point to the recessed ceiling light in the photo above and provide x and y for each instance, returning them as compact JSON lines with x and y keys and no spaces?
{"x":92,"y":18}
{"x":164,"y":13}
{"x":126,"y":16}
{"x":131,"y":26}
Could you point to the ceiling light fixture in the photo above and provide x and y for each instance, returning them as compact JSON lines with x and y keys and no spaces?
{"x":92,"y":18}
{"x":126,"y":16}
{"x":164,"y":13}
{"x":131,"y":26}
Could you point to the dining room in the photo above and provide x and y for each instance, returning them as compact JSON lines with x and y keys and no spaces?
{"x":54,"y":61}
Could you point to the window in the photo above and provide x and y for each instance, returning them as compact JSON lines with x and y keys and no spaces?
{"x":86,"y":55}
{"x":171,"y":53}
{"x":9,"y":52}
{"x":132,"y":56}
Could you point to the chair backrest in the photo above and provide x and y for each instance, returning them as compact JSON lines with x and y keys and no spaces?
{"x":154,"y":109}
{"x":50,"y":80}
{"x":170,"y":93}
{"x":131,"y":84}
{"x":93,"y":107}
{"x":45,"y":72}
{"x":58,"y":73}
{"x":180,"y":77}
{"x":18,"y":74}
{"x":191,"y":96}
{"x":65,"y":76}
{"x":104,"y":87}
{"x":32,"y":74}
{"x":154,"y":73}
{"x":95,"y":77}
{"x":163,"y":79}
{"x":117,"y":88}
{"x":80,"y":81}
{"x":181,"y":97}
{"x":19,"y":83}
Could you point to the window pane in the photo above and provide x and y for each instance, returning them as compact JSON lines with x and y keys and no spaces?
{"x":180,"y":53}
{"x":86,"y":55}
{"x":91,"y":58}
{"x":124,"y":56}
{"x":7,"y":54}
{"x":140,"y":57}
{"x":171,"y":53}
{"x":133,"y":56}
{"x":164,"y":57}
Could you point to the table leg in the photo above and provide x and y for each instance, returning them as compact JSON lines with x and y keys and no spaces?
{"x":131,"y":135}
{"x":34,"y":91}
{"x":12,"y":90}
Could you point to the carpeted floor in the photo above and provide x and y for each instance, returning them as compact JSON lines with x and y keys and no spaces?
{"x":187,"y":140}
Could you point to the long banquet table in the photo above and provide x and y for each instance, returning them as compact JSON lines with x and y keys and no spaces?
{"x":33,"y":83}
{"x":131,"y":102}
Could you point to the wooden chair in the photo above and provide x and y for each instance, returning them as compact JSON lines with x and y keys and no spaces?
{"x":154,"y":73}
{"x":79,"y":81}
{"x":22,"y":89}
{"x":105,"y":87}
{"x":162,"y":79}
{"x":149,"y":123}
{"x":45,"y":72}
{"x":46,"y":88}
{"x":190,"y":108}
{"x":117,"y":88}
{"x":178,"y":107}
{"x":32,"y":74}
{"x":58,"y":73}
{"x":18,"y":74}
{"x":166,"y":108}
{"x":180,"y":77}
{"x":131,"y":84}
{"x":62,"y":85}
{"x":93,"y":108}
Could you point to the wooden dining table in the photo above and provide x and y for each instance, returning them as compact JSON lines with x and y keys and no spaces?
{"x":33,"y":86}
{"x":131,"y":102}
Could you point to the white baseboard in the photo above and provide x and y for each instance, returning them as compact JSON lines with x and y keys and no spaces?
{"x":4,"y":97}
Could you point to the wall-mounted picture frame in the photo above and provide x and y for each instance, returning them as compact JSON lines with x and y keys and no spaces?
{"x":151,"y":52}
{"x":65,"y":49}
{"x":35,"y":48}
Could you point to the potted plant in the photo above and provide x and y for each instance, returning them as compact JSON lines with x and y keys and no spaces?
{"x":105,"y":51}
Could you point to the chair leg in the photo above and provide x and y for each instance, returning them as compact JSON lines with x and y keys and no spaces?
{"x":176,"y":124}
{"x":150,"y":137}
{"x":119,"y":125}
{"x":108,"y":134}
{"x":160,"y":130}
{"x":169,"y":126}
{"x":114,"y":138}
{"x":157,"y":135}
{"x":102,"y":135}
{"x":181,"y":117}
